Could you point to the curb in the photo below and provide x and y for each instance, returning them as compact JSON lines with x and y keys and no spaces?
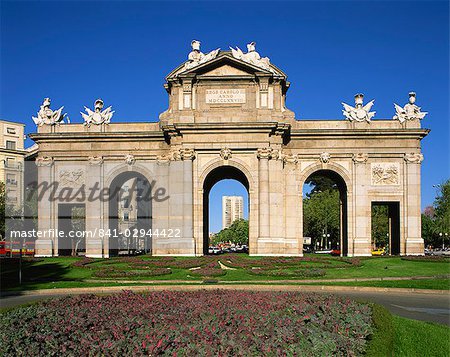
{"x":258,"y":287}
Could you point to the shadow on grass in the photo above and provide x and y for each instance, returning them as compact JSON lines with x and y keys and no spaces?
{"x":33,"y":271}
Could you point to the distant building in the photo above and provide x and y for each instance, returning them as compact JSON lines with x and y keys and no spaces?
{"x":128,"y":207}
{"x":11,"y":160}
{"x":232,"y":210}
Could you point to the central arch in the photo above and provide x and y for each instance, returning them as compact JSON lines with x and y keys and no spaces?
{"x":214,"y":176}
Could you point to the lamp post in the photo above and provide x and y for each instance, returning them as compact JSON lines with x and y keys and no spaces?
{"x":444,"y":237}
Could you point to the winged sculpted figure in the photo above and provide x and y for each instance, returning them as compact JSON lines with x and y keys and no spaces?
{"x":359,"y":112}
{"x":196,"y":57}
{"x":97,"y":116}
{"x":410,"y":111}
{"x":251,"y":56}
{"x":47,"y":116}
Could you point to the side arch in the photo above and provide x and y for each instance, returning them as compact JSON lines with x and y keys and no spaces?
{"x":340,"y":170}
{"x":138,"y":216}
{"x":342,"y":177}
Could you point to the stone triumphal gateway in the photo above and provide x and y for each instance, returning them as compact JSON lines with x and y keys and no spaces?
{"x":227,"y":119}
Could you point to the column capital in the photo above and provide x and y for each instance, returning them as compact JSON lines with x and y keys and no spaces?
{"x":413,"y":158}
{"x":44,"y":161}
{"x":264,"y":153}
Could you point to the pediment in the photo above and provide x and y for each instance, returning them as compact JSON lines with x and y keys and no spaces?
{"x":225,"y":70}
{"x":224,"y":65}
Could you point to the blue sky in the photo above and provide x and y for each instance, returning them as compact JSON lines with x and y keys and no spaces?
{"x":75,"y":52}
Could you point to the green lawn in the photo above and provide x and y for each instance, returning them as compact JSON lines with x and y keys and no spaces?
{"x":60,"y":271}
{"x":419,"y":339}
{"x":436,"y":284}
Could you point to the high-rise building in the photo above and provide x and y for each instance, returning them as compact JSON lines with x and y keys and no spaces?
{"x":232,"y":210}
{"x":11,"y":158}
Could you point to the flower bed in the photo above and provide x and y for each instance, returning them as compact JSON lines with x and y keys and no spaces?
{"x":206,"y":323}
{"x":121,"y":273}
{"x":300,"y":273}
{"x":83,"y":262}
{"x":427,"y":258}
{"x":273,"y":262}
{"x":210,"y":269}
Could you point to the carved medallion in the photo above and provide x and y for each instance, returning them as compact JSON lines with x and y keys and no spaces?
{"x":225,"y":153}
{"x":325,"y":158}
{"x":130,"y":159}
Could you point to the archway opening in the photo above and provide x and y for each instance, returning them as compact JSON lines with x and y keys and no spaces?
{"x":130,"y":214}
{"x":226,"y":203}
{"x":72,"y":223}
{"x":385,"y":228}
{"x":325,"y":214}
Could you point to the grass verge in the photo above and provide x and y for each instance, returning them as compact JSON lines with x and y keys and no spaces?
{"x":398,"y":336}
{"x":417,"y":338}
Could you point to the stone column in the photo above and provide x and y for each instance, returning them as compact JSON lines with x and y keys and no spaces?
{"x":46,"y":246}
{"x":160,"y":209}
{"x":188,"y":202}
{"x":412,"y":244}
{"x":264,"y":205}
{"x":292,"y":208}
{"x":97,"y":245}
{"x":361,"y":214}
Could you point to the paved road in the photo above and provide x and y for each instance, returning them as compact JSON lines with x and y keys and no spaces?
{"x":419,"y":306}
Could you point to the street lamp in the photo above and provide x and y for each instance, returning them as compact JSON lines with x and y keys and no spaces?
{"x":326,"y":239}
{"x":444,"y":237}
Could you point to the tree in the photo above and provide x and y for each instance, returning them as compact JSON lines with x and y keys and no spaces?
{"x":320,"y":183}
{"x":442,"y":207}
{"x":436,"y":219}
{"x":321,"y":214}
{"x":237,"y":233}
{"x":380,"y":226}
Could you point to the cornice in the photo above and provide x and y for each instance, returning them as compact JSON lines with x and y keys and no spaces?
{"x":330,"y":133}
{"x":109,"y":136}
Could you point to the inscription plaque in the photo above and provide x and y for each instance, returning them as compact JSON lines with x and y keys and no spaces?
{"x":225,"y":96}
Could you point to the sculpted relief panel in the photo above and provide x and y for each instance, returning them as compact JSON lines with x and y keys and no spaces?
{"x":72,"y":178}
{"x":385,"y":173}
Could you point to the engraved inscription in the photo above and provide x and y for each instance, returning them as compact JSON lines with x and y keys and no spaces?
{"x":225,"y":96}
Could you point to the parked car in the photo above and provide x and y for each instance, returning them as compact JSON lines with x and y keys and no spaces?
{"x":336,"y":252}
{"x":379,"y":251}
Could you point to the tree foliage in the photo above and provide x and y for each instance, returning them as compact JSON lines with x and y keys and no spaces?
{"x":322,"y":216}
{"x":380,"y":225}
{"x":237,"y":233}
{"x":320,"y":183}
{"x":436,"y":219}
